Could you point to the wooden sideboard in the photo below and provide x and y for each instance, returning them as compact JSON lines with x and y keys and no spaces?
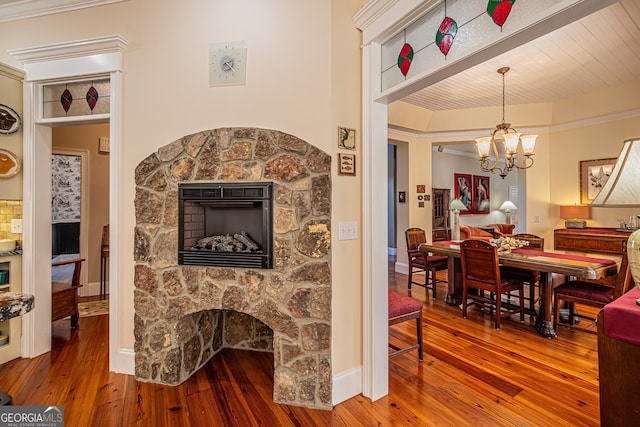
{"x":599,"y":240}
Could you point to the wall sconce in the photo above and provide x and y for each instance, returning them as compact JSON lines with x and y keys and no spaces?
{"x":456,"y":206}
{"x":103,"y":145}
{"x":575,"y":215}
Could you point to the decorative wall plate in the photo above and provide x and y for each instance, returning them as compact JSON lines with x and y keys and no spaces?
{"x":9,"y":164}
{"x":9,"y":120}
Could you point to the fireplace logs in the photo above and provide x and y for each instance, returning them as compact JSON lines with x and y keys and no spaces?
{"x":228,"y":243}
{"x":226,"y":224}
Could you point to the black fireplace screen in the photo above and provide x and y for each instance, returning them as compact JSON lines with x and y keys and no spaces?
{"x":226,"y":224}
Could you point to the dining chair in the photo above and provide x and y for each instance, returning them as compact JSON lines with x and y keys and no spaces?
{"x":481,"y":271}
{"x":532,"y":278}
{"x":593,"y":293}
{"x":419,"y":262}
{"x":401,"y":309}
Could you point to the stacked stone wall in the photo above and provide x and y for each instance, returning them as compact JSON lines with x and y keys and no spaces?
{"x":185,"y":314}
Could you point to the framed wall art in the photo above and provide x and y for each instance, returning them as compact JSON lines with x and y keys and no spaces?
{"x":462,"y":190}
{"x":346,"y":164}
{"x":9,"y":120}
{"x":9,"y":164}
{"x":593,"y":175}
{"x":402,"y":197}
{"x":346,"y":138}
{"x":481,"y":198}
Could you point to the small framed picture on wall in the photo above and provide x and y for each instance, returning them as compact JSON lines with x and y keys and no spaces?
{"x":346,"y":138}
{"x":462,"y":190}
{"x":346,"y":164}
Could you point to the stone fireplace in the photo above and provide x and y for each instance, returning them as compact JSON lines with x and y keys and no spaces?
{"x":185,"y":314}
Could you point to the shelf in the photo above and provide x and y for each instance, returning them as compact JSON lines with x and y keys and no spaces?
{"x":12,"y":328}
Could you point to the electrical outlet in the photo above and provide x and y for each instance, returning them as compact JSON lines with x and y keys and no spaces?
{"x":16,"y":226}
{"x":536,"y":219}
{"x":348,"y":230}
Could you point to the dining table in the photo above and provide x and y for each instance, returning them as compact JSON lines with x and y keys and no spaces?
{"x":580,"y":265}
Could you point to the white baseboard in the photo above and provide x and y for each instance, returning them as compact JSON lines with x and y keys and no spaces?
{"x":124,"y":362}
{"x":92,"y":289}
{"x":392,"y":251}
{"x":347,"y":384}
{"x":401,"y":267}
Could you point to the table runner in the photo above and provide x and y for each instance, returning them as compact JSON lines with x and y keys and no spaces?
{"x":603,"y":261}
{"x":622,"y":318}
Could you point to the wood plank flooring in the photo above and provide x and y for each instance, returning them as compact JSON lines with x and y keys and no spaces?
{"x":471,"y":375}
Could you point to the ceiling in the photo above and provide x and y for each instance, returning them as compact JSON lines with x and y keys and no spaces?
{"x":599,"y":51}
{"x":596,"y":52}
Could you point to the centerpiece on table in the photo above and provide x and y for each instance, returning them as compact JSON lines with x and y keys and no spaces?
{"x":507,"y":244}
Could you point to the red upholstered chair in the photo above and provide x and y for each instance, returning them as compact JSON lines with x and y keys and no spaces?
{"x":594,"y":293}
{"x":481,"y":271}
{"x":401,"y":309}
{"x":419,"y":262}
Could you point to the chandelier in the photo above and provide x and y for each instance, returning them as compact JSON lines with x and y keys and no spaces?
{"x":513,"y":140}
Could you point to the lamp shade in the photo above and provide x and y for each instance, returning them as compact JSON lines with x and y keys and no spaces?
{"x":622,"y":189}
{"x":508,"y":204}
{"x":575,"y":212}
{"x":457,"y":205}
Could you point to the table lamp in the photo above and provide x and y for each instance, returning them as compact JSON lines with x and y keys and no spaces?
{"x":507,"y":207}
{"x":575,"y":215}
{"x":622,"y":191}
{"x":456,"y":206}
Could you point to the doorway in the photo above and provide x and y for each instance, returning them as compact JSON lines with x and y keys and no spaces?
{"x":82,"y":141}
{"x":93,"y":57}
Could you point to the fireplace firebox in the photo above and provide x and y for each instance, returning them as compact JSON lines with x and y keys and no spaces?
{"x":225,"y":224}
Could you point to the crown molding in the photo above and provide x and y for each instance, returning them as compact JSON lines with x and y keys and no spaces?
{"x":471,"y":135}
{"x":56,"y":51}
{"x":33,"y":8}
{"x":11,"y":72}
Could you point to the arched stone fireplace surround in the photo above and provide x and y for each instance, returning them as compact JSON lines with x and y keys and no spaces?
{"x":185,"y":314}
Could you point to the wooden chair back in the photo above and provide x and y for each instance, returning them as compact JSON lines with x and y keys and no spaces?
{"x":535,"y":242}
{"x":415,"y":237}
{"x":480,"y":268}
{"x":623,"y":278}
{"x":104,"y":246}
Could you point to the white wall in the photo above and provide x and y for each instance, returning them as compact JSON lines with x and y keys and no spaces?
{"x":445,"y":165}
{"x":303,"y":78}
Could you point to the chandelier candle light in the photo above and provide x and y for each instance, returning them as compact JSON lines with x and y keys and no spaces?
{"x":512,"y":141}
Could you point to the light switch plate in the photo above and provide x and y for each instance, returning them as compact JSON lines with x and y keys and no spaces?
{"x":16,"y":226}
{"x":348,"y":230}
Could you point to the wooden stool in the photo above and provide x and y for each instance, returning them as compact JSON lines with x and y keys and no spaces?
{"x":401,"y":309}
{"x":104,"y":258}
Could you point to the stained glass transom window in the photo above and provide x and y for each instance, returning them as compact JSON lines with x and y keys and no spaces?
{"x":448,"y":32}
{"x":84,"y":98}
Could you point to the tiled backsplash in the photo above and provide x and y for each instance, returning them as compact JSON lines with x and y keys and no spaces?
{"x":10,"y":209}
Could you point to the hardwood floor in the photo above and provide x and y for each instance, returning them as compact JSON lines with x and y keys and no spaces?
{"x":471,"y":375}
